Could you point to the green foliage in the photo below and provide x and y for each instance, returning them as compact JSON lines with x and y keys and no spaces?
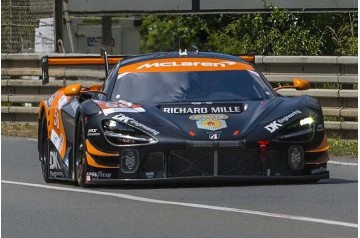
{"x":278,"y":33}
{"x":342,"y":147}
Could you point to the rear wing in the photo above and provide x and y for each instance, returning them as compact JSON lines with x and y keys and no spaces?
{"x":71,"y":60}
{"x":102,"y":59}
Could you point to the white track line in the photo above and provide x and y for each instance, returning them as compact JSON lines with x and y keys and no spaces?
{"x":342,"y":163}
{"x":194,"y":205}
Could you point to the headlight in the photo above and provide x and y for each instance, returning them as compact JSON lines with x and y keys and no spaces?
{"x":300,"y":130}
{"x":307,"y":121}
{"x":114,"y":126}
{"x":121,"y":134}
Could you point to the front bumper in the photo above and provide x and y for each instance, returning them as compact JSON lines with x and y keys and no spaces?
{"x":200,"y":164}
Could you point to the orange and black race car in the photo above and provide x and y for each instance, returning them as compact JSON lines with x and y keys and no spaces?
{"x":179,"y":116}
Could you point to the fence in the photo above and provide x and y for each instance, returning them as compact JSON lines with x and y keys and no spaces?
{"x":335,"y":80}
{"x":27,"y":26}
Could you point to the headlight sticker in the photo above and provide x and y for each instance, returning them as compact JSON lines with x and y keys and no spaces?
{"x":275,"y":125}
{"x":131,"y":121}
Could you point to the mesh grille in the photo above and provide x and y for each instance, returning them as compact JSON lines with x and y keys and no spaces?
{"x":201,"y":163}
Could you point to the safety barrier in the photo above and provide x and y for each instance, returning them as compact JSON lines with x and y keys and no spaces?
{"x":334,"y":81}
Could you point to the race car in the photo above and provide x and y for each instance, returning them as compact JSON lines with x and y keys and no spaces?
{"x":179,"y":116}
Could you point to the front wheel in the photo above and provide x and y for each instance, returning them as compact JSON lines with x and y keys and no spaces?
{"x":81,"y":166}
{"x":44,"y":153}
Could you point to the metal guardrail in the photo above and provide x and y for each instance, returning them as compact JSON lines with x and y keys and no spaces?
{"x":335,"y":78}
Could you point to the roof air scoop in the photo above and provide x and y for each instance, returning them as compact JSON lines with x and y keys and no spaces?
{"x":183,"y":53}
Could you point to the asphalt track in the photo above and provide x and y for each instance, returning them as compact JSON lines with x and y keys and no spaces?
{"x":32,"y":208}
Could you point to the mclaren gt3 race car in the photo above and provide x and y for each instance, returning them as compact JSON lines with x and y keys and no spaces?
{"x":177,"y":116}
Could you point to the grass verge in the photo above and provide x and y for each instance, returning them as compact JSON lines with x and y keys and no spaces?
{"x":338,"y":146}
{"x":19,"y":129}
{"x":343,"y":147}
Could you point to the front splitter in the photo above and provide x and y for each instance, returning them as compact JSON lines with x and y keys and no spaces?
{"x":216,"y":179}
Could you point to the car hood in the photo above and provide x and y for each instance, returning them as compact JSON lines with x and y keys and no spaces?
{"x":197,"y":120}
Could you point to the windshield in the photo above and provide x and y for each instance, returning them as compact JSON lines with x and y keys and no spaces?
{"x":244,"y":85}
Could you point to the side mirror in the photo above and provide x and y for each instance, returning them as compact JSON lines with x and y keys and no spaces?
{"x":301,"y":84}
{"x":73,"y":90}
{"x":298,"y":84}
{"x":95,"y":88}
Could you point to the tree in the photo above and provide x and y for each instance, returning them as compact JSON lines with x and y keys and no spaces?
{"x":277,"y":33}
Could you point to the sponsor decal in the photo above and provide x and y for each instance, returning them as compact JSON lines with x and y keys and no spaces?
{"x":97,"y":175}
{"x":187,"y":64}
{"x":318,"y":170}
{"x":62,"y":101}
{"x":208,"y":116}
{"x":50,"y":100}
{"x":286,"y":118}
{"x":202,"y":109}
{"x":214,"y":136}
{"x":93,"y":132}
{"x":57,"y":140}
{"x":54,"y":165}
{"x":275,"y":125}
{"x":149,"y":175}
{"x":120,"y":106}
{"x":211,"y":124}
{"x":131,"y":121}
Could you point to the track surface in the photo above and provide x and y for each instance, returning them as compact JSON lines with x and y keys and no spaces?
{"x":32,"y":208}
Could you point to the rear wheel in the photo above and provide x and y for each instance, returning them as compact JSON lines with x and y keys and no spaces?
{"x":81,"y":166}
{"x":44,"y":153}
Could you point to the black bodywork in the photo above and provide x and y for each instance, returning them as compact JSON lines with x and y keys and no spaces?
{"x":167,"y":141}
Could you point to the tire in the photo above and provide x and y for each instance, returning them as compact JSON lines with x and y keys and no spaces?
{"x":81,"y":165}
{"x":44,"y":153}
